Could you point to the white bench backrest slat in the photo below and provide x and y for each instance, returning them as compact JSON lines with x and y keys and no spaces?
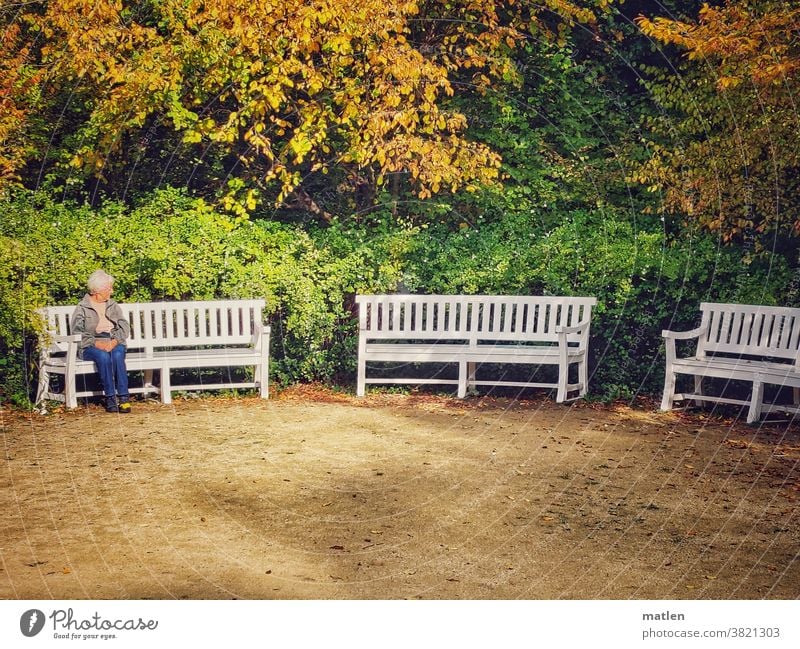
{"x":750,"y":330}
{"x":177,"y":324}
{"x":473,"y":317}
{"x":58,"y":322}
{"x":793,"y":340}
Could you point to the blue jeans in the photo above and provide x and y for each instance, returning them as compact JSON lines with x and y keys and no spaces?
{"x":111,"y":368}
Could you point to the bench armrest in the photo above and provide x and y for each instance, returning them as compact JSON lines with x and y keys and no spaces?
{"x":48,"y":340}
{"x":72,"y":338}
{"x":671,"y":336}
{"x":574,"y":329}
{"x":683,"y":335}
{"x":260,"y":333}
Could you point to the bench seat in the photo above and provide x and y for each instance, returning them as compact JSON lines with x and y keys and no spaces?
{"x":734,"y":368}
{"x":505,"y":353}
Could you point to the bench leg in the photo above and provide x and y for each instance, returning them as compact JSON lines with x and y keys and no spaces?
{"x":44,"y":385}
{"x":263,"y":380}
{"x":472,"y":371}
{"x":796,"y":396}
{"x":361,"y":381}
{"x":70,"y":389}
{"x":583,"y":377}
{"x":563,"y":375}
{"x":166,"y":387}
{"x":754,"y":412}
{"x":698,"y":389}
{"x":462,"y":379}
{"x":669,"y":391}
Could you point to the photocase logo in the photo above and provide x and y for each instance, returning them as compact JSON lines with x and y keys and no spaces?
{"x":31,"y":622}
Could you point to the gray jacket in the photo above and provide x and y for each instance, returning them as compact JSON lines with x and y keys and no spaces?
{"x":85,"y":318}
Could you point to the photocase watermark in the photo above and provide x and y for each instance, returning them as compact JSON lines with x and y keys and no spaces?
{"x":31,"y":622}
{"x":66,"y":626}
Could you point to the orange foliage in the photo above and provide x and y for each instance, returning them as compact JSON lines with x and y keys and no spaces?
{"x":759,"y":46}
{"x":14,"y":83}
{"x":291,"y":87}
{"x":735,"y":165}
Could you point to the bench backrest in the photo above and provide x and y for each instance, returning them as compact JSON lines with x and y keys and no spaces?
{"x":474,"y":318}
{"x":177,"y":324}
{"x":751,"y":330}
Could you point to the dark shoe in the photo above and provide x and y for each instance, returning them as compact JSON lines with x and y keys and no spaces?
{"x":125,"y":407}
{"x":111,"y":404}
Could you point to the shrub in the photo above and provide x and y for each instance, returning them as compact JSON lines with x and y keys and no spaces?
{"x":172,"y":246}
{"x":643,"y":280}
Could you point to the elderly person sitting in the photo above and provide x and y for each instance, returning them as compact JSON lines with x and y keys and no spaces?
{"x":104,"y":332}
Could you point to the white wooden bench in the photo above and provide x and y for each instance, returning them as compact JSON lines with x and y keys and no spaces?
{"x":164,"y":336}
{"x":758,"y":344}
{"x":474,"y":329}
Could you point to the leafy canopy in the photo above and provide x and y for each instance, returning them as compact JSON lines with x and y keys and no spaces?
{"x":284,"y":88}
{"x":727,"y":150}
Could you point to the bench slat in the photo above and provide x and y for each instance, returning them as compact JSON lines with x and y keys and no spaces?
{"x":785,"y":332}
{"x":766,"y":331}
{"x":496,"y":310}
{"x":737,"y":328}
{"x":794,"y":339}
{"x":545,"y":317}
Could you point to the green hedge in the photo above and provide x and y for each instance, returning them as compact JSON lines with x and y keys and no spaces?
{"x":644,"y":281}
{"x":172,"y":246}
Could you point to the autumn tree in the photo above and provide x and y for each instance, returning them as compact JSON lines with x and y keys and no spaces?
{"x":17,"y":101}
{"x":727,"y":147}
{"x":276,"y":91}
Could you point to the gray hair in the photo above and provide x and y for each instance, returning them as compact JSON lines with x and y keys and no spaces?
{"x":99,"y":280}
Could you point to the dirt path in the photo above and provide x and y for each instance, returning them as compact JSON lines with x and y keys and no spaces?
{"x":318,"y":496}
